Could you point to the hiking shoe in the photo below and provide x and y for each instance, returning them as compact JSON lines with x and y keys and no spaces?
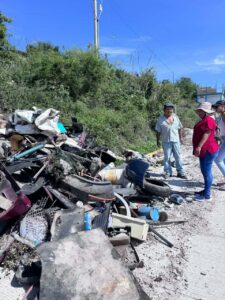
{"x":222,"y":187}
{"x":183,"y":176}
{"x":202,"y":198}
{"x":167,"y":176}
{"x":200,"y":193}
{"x":220,"y":183}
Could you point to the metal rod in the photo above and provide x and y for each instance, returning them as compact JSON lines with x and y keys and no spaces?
{"x":160,"y":236}
{"x":166,"y":222}
{"x":41,"y":169}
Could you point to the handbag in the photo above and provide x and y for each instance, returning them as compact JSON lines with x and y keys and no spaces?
{"x":217,"y":136}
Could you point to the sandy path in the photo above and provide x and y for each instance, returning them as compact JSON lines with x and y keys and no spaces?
{"x":205,"y":270}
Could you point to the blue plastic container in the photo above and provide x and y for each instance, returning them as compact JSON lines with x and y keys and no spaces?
{"x":135,"y":171}
{"x":87,"y":221}
{"x":154,"y":214}
{"x":149,"y":212}
{"x":61,"y":127}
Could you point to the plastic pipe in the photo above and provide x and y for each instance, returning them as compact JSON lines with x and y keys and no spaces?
{"x":128,"y":212}
{"x":29,"y":151}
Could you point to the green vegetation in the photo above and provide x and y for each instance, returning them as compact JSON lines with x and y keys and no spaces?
{"x":119,"y":108}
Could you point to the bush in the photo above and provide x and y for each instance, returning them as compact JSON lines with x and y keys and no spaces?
{"x":118,"y":108}
{"x":187,"y":114}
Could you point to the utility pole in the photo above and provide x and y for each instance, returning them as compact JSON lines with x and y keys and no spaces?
{"x":173,"y":77}
{"x":96,"y":36}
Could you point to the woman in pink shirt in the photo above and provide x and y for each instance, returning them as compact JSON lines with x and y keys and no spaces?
{"x":205,"y":147}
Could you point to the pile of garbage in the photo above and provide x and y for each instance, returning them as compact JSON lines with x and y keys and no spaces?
{"x":65,"y":208}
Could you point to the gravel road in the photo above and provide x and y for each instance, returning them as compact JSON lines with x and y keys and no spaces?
{"x":194,"y":267}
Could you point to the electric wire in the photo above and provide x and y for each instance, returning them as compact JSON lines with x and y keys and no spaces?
{"x":139,"y":36}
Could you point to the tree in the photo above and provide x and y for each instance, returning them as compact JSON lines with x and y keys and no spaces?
{"x":147,"y":82}
{"x":4,"y":43}
{"x":41,"y":47}
{"x":188,"y":89}
{"x":163,"y":92}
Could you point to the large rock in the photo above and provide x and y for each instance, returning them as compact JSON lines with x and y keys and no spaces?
{"x":85,"y":266}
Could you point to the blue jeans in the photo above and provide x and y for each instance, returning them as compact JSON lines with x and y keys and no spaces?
{"x":220,"y":159}
{"x":168,"y":149}
{"x":206,"y":169}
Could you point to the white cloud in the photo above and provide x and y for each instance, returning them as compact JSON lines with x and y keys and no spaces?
{"x":215,"y":65}
{"x":219,"y":60}
{"x":116,"y":50}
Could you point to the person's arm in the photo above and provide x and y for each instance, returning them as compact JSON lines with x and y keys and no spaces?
{"x":181,"y":135}
{"x":158,"y":139}
{"x":180,"y":130}
{"x":223,"y":116}
{"x":204,"y":138}
{"x":158,"y":133}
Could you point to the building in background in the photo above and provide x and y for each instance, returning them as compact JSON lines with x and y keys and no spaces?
{"x":208,"y":94}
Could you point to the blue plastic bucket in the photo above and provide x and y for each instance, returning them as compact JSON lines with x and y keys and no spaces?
{"x":154,"y":214}
{"x":149,"y":212}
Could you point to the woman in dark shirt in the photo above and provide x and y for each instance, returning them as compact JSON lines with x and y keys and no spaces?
{"x":205,"y":147}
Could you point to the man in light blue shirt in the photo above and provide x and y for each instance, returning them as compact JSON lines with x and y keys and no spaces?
{"x":170,"y":130}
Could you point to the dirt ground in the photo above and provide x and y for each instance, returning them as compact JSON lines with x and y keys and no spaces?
{"x":194,"y":267}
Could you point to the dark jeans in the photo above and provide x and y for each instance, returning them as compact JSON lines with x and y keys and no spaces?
{"x":206,"y":169}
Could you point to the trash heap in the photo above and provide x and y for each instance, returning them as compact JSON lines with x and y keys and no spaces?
{"x":66,"y":209}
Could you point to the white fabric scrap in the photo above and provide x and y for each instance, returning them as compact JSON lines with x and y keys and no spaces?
{"x":3,"y":131}
{"x":24,"y":115}
{"x":47,"y":121}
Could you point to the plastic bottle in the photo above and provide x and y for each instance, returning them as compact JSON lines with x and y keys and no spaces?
{"x":87,"y":221}
{"x":176,"y":198}
{"x":114,"y":175}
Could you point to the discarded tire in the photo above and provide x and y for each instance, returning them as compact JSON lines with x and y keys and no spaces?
{"x":83,"y":187}
{"x":156,"y":187}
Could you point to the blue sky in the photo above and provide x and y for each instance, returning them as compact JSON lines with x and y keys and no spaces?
{"x":176,"y":37}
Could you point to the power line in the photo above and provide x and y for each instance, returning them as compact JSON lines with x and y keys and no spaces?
{"x":165,"y":48}
{"x":139,"y":36}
